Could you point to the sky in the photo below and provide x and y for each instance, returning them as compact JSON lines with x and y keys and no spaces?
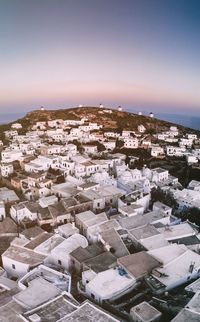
{"x":140,"y":54}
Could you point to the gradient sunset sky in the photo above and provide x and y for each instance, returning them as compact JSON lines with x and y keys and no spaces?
{"x":141,"y":54}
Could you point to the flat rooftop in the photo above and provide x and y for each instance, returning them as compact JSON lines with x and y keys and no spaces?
{"x":177,"y":231}
{"x":53,"y":310}
{"x":10,"y":312}
{"x":145,"y":312}
{"x":130,"y":209}
{"x":113,"y":239}
{"x":168,"y":253}
{"x":138,"y":265}
{"x":159,"y":170}
{"x":88,"y":312}
{"x":177,"y":268}
{"x":194,"y":303}
{"x":193,"y":287}
{"x":60,"y":280}
{"x":24,"y":255}
{"x":38,"y":292}
{"x":186,"y":315}
{"x":85,"y":216}
{"x":144,"y":232}
{"x":110,"y":283}
{"x":8,"y":195}
{"x":154,"y":242}
{"x":101,"y":262}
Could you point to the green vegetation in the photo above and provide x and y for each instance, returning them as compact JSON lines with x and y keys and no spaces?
{"x":191,"y":214}
{"x":110,"y":121}
{"x":165,"y":197}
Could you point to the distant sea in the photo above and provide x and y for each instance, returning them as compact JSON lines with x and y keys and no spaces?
{"x":6,"y":118}
{"x":186,"y":120}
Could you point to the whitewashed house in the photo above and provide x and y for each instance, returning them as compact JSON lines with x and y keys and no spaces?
{"x":176,"y":151}
{"x":10,"y":133}
{"x":157,"y":151}
{"x":160,"y":175}
{"x":18,"y":261}
{"x":6,"y":169}
{"x":24,"y":211}
{"x":16,"y":126}
{"x":9,"y":156}
{"x":117,"y":284}
{"x":191,"y":159}
{"x":90,"y":149}
{"x":131,"y":143}
{"x":109,"y":145}
{"x":185,"y":142}
{"x":59,"y":255}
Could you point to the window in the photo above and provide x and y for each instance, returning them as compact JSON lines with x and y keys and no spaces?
{"x":59,"y":262}
{"x":92,"y":296}
{"x":13,"y":266}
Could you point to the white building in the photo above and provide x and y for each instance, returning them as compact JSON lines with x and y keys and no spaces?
{"x":185,"y":142}
{"x":180,"y":265}
{"x":6,"y":169}
{"x":90,"y":149}
{"x":157,"y":151}
{"x":191,"y":136}
{"x":131,"y":143}
{"x":16,"y":126}
{"x":24,"y":211}
{"x":176,"y":151}
{"x":18,"y":261}
{"x":59,"y":255}
{"x":187,"y":198}
{"x":144,"y":312}
{"x":160,"y":175}
{"x":9,"y":156}
{"x":191,"y":159}
{"x":117,"y":284}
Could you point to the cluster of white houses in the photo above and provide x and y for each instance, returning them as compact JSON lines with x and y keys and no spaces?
{"x":95,"y":224}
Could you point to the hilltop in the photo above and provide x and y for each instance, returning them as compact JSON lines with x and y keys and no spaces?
{"x":109,"y":118}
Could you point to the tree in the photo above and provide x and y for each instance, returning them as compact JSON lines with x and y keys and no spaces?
{"x":100,"y":147}
{"x":151,"y":131}
{"x":192,"y":214}
{"x":119,"y":144}
{"x":167,"y":198}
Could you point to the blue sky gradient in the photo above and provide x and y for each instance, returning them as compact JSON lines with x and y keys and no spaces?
{"x":141,"y":54}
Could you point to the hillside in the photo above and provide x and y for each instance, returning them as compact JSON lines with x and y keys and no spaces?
{"x":110,"y":120}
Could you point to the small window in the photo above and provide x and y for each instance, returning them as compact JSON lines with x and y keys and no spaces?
{"x":59,"y":262}
{"x":92,"y":296}
{"x":13,"y":266}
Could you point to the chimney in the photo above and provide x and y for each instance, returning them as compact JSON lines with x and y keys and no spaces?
{"x":107,"y":247}
{"x":34,"y":318}
{"x":191,"y":267}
